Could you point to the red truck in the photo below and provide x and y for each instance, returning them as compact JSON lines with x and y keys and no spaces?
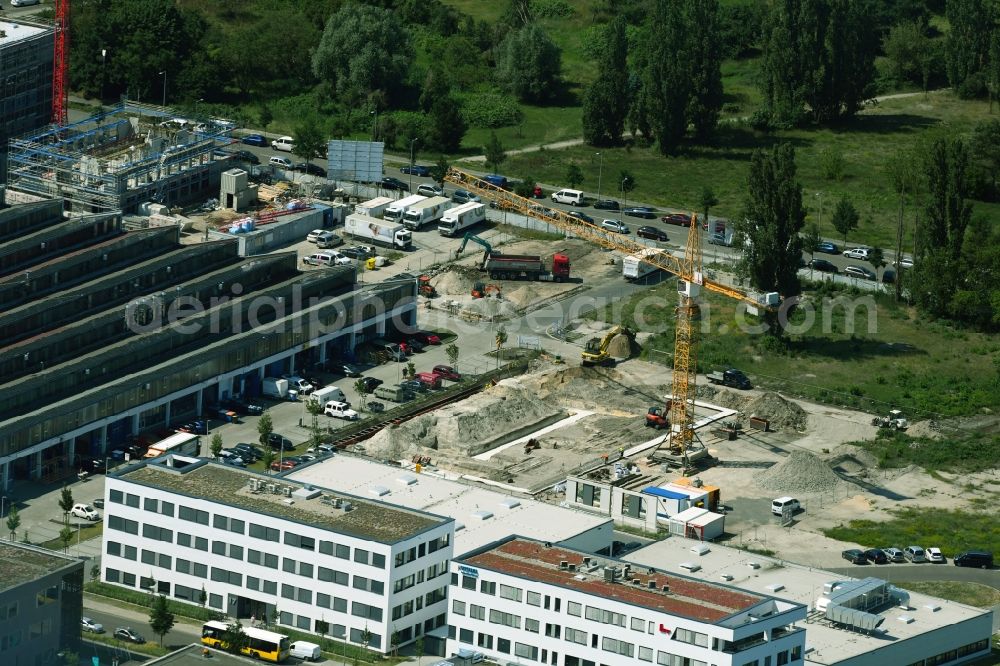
{"x":527,"y":267}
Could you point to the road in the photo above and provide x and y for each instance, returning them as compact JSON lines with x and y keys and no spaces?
{"x":112,"y":617}
{"x":923,"y":572}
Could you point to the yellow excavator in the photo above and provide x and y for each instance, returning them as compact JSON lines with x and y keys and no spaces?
{"x":595,"y":352}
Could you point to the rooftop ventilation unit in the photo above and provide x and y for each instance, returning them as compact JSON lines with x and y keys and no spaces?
{"x":253,"y":483}
{"x":637,"y":581}
{"x":572,"y":567}
{"x":509,"y":503}
{"x":307,"y":493}
{"x":700,"y":549}
{"x":727,"y":576}
{"x":347,"y":506}
{"x":774,"y":587}
{"x":378,"y":491}
{"x":609,"y":574}
{"x":286,"y":491}
{"x":665,"y":588}
{"x":563,"y":564}
{"x":689,"y":566}
{"x":853,"y":618}
{"x":272,"y":488}
{"x":651,"y":584}
{"x":482,"y":515}
{"x":406,"y":479}
{"x":932,"y":607}
{"x":753,"y":565}
{"x":586,"y":561}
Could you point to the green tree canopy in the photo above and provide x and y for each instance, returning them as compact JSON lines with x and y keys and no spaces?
{"x":606,"y":102}
{"x":310,"y":142}
{"x":529,"y":64}
{"x":364,"y":50}
{"x":494,"y":152}
{"x":967,"y":43}
{"x":161,"y":620}
{"x":845,"y":218}
{"x":773,"y":217}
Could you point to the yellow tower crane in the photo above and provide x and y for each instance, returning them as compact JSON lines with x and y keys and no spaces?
{"x":688,"y":270}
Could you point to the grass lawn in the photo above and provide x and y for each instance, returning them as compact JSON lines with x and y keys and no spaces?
{"x":92,"y":531}
{"x":972,"y":594}
{"x":865,"y":146}
{"x":951,"y":531}
{"x":927,"y":368}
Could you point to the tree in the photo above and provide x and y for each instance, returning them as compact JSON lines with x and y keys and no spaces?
{"x":452,"y":352}
{"x":705,"y":62}
{"x":66,"y":501}
{"x":309,"y":140}
{"x":216,"y":446}
{"x":495,"y":153}
{"x":606,"y":102}
{"x":13,"y":522}
{"x":265,"y":115}
{"x":708,"y":199}
{"x":315,"y":408}
{"x":233,"y":639}
{"x":66,"y":536}
{"x":811,"y":240}
{"x":529,"y":64}
{"x":411,"y":369}
{"x":264,"y":428}
{"x":203,"y":597}
{"x":985,"y":143}
{"x":268,"y":457}
{"x":394,"y":643}
{"x":574,"y":175}
{"x":364,"y":51}
{"x":877,"y":259}
{"x":904,"y":47}
{"x":445,"y":125}
{"x":967,"y":43}
{"x":845,"y":218}
{"x":903,"y":177}
{"x":161,"y":620}
{"x":440,"y":170}
{"x":667,"y":82}
{"x":770,"y":225}
{"x":500,"y":339}
{"x":362,"y":388}
{"x":418,"y":645}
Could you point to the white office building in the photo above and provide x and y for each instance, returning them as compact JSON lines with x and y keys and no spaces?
{"x":255,"y":546}
{"x":532,"y":602}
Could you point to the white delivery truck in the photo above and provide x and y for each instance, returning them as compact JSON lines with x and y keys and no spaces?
{"x":722,"y":234}
{"x":274,"y":387}
{"x":326,"y":394}
{"x":379,"y":232}
{"x":373,"y":207}
{"x":425,"y":212}
{"x":457,"y":220}
{"x":395,"y":212}
{"x":183,"y":443}
{"x":633,"y":266}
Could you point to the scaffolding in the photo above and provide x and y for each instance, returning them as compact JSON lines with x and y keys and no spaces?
{"x":120,"y":157}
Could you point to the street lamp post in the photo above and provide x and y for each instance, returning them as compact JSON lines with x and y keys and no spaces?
{"x":104,"y":61}
{"x":621,"y":212}
{"x":600,"y":172}
{"x":164,"y":73}
{"x":820,"y":196}
{"x":412,"y":141}
{"x":3,"y":501}
{"x":374,"y":115}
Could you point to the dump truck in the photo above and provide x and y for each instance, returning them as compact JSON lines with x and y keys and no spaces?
{"x":527,"y":267}
{"x":380,"y":232}
{"x":373,"y":207}
{"x":425,"y":212}
{"x":732,"y":377}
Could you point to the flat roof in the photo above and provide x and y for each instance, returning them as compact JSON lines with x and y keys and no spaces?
{"x":466,"y":503}
{"x":17,"y":31}
{"x":825,"y":642}
{"x":684,"y":597}
{"x":308,"y":504}
{"x":189,"y":655}
{"x":20,"y":563}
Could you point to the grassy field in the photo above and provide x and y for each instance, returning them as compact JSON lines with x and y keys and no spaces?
{"x":928,"y":369}
{"x":951,"y":531}
{"x":83,"y":534}
{"x":972,"y":594}
{"x":975,"y":452}
{"x":864,"y":146}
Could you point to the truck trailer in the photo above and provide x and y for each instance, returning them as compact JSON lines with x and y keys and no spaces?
{"x":526,"y":267}
{"x":373,"y":207}
{"x":457,"y":220}
{"x":183,"y":443}
{"x":396,"y":210}
{"x":379,"y":232}
{"x":425,"y":212}
{"x":633,"y":266}
{"x":722,"y":234}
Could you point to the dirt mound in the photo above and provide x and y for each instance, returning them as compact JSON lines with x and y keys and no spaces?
{"x":799,"y":473}
{"x":521,"y":296}
{"x":620,"y":347}
{"x":594,"y":388}
{"x":457,"y":280}
{"x":461,"y":427}
{"x":780,"y":412}
{"x":923,"y":429}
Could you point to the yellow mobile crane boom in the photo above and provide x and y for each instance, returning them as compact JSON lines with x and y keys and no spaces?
{"x":688,"y":270}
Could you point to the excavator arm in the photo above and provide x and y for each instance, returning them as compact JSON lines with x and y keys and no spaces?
{"x":469,"y":236}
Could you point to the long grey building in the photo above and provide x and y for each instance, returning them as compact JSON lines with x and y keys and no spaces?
{"x":107,"y":334}
{"x":41,"y":601}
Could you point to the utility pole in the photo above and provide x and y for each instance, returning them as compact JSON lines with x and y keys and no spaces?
{"x":600,"y":172}
{"x":164,"y":73}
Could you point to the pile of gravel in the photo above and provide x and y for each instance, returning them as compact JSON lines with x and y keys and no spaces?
{"x":800,"y":473}
{"x":779,"y":412}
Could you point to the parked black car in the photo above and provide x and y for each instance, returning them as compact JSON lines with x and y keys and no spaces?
{"x":311,"y":169}
{"x":854,"y":556}
{"x":242,"y":407}
{"x":652,"y":233}
{"x":371,"y":383}
{"x":358,"y":251}
{"x":246,"y":156}
{"x":826,"y":247}
{"x":390,"y":183}
{"x":416,"y":170}
{"x":349,"y":370}
{"x":975,"y":558}
{"x":877,"y":556}
{"x":248,"y":452}
{"x":606,"y":204}
{"x":644,"y":212}
{"x":276,"y":441}
{"x":581,"y":216}
{"x":823,"y":265}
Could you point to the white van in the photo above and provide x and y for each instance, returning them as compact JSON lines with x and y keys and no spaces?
{"x":305,"y":650}
{"x":574,"y":197}
{"x":778,"y":505}
{"x":280,"y":162}
{"x":328,"y":393}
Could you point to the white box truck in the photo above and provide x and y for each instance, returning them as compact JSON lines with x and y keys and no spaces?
{"x":633,"y":266}
{"x":395,"y":212}
{"x":425,"y":212}
{"x":379,"y":232}
{"x":183,"y":443}
{"x":373,"y":207}
{"x":274,"y":387}
{"x":722,"y":234}
{"x":456,"y":220}
{"x":326,"y":394}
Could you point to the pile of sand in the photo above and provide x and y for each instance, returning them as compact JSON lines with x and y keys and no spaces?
{"x":620,"y":347}
{"x":800,"y":473}
{"x":457,"y":280}
{"x":781,"y":413}
{"x":466,"y":425}
{"x":605,"y":390}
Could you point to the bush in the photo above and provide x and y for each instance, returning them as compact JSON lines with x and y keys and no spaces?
{"x":491,"y":110}
{"x":552,"y":9}
{"x":145,"y":600}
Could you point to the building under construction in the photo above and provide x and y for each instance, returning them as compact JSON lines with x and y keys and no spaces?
{"x":118,"y":159}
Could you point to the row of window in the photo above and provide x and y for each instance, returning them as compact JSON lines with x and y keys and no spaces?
{"x":417,"y":604}
{"x":781,"y":659}
{"x":430,"y":573}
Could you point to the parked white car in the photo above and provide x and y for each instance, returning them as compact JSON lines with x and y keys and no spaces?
{"x":858,"y":253}
{"x":85,"y":511}
{"x":285,"y":143}
{"x":934,"y":555}
{"x":340,"y":410}
{"x":326,"y":259}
